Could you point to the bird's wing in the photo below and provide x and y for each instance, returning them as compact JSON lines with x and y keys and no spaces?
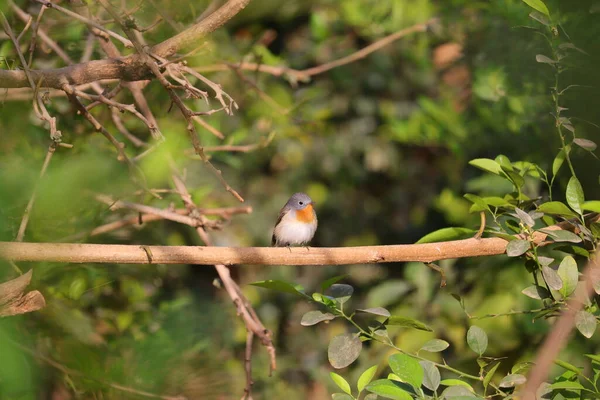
{"x":283,"y":211}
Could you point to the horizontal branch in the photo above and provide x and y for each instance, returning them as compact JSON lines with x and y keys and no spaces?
{"x":135,"y":254}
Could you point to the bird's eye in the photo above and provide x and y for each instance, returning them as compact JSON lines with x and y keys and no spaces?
{"x":300,"y":202}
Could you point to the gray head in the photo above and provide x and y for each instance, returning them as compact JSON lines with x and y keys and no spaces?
{"x":298,"y":201}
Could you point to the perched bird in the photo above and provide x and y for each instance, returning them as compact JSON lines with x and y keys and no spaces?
{"x":297,"y":222}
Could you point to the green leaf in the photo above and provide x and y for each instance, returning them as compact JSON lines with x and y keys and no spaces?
{"x":326,"y":284}
{"x":489,"y":375}
{"x":343,"y":350}
{"x":341,"y":396}
{"x":340,"y":291}
{"x":314,"y":317}
{"x":388,"y":389}
{"x":435,"y":345}
{"x":280,"y":286}
{"x":559,"y":160}
{"x":512,"y":380}
{"x":407,"y":369}
{"x":569,"y":275}
{"x":585,"y":323}
{"x":77,"y":288}
{"x":366,"y":377}
{"x":556,"y":208}
{"x":567,"y":385}
{"x":431,"y":375}
{"x":328,"y":302}
{"x":559,"y":235}
{"x":575,"y":198}
{"x":375,"y":311}
{"x":568,"y":366}
{"x":457,"y":393}
{"x":593,"y":357}
{"x":585,"y":144}
{"x":497,"y":202}
{"x":517,"y":247}
{"x":407,"y":323}
{"x":536,"y":292}
{"x":446,"y":234}
{"x":457,"y":382}
{"x":341,"y":382}
{"x":370,"y":396}
{"x":538,"y":5}
{"x":552,"y":278}
{"x":539,"y":18}
{"x":487,"y":165}
{"x":478,"y":203}
{"x":477,"y":339}
{"x":593,"y":205}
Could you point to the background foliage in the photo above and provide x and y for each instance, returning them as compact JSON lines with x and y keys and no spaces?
{"x":382,"y":145}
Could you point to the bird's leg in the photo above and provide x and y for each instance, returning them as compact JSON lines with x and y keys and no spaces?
{"x":289,"y":247}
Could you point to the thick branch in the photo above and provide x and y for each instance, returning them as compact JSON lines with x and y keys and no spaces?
{"x":132,"y":254}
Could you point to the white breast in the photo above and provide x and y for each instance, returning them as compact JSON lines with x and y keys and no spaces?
{"x":290,"y":230}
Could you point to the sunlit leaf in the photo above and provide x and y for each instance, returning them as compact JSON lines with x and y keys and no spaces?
{"x":489,"y":375}
{"x":559,"y":160}
{"x":407,"y":369}
{"x":585,"y":323}
{"x":375,"y":311}
{"x":593,"y":205}
{"x":487,"y":165}
{"x":585,"y":144}
{"x":552,"y":278}
{"x":435,"y":345}
{"x":569,"y":275}
{"x":340,"y":382}
{"x":538,"y":5}
{"x":388,"y":389}
{"x":366,"y":377}
{"x":575,"y":198}
{"x":512,"y":380}
{"x":559,"y":235}
{"x":556,"y":208}
{"x":568,"y":366}
{"x":447,"y":234}
{"x":536,"y":292}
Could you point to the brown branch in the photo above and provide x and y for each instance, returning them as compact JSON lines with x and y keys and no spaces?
{"x":305,"y":74}
{"x":560,"y":333}
{"x":123,"y":254}
{"x":14,"y":300}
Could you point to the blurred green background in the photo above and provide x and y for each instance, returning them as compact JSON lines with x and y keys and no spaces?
{"x":382,"y":146}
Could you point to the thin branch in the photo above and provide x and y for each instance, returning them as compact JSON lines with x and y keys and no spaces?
{"x":87,"y":21}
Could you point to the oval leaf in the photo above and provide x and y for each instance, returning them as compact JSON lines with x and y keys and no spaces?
{"x":489,"y":375}
{"x":435,"y":345}
{"x":538,"y":5}
{"x":556,"y":208}
{"x":388,"y":389}
{"x":407,"y":323}
{"x":559,"y":235}
{"x":593,"y":205}
{"x":314,"y":317}
{"x":544,"y":59}
{"x":344,"y":350}
{"x":376,"y":311}
{"x":477,"y":339}
{"x":559,"y":160}
{"x":536,"y":292}
{"x":585,"y":323}
{"x":487,"y":165}
{"x":326,"y":284}
{"x":551,"y":277}
{"x":457,"y":382}
{"x":407,"y":369}
{"x":517,"y":247}
{"x":575,"y":197}
{"x":457,"y":393}
{"x":512,"y":380}
{"x":585,"y":144}
{"x":569,"y":275}
{"x":446,"y":234}
{"x":366,"y":377}
{"x":340,"y":292}
{"x":341,"y":382}
{"x":431,"y":375}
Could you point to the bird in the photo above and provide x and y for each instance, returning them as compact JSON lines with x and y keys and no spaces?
{"x":297,"y":222}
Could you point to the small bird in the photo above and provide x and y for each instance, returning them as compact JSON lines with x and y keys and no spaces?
{"x":297,"y":222}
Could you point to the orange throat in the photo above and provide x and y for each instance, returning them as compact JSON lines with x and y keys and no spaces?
{"x":306,"y":215}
